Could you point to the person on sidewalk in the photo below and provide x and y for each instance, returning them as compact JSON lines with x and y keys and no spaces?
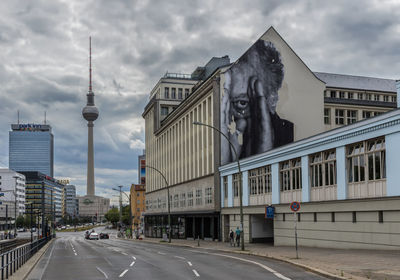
{"x":231,"y":238}
{"x":238,"y":236}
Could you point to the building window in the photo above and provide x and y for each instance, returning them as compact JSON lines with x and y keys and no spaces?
{"x":325,"y":93}
{"x":323,"y":169}
{"x":173,"y":93}
{"x":394,"y":99}
{"x":190,"y":199}
{"x":350,"y":95}
{"x":366,"y":160}
{"x":164,"y":111}
{"x":351,"y":116}
{"x":182,"y":202}
{"x":176,"y":200}
{"x":341,"y":94}
{"x":367,"y":114}
{"x":376,"y":97}
{"x":186,"y":92}
{"x":360,"y":96}
{"x":199,"y":197}
{"x":225,"y":178}
{"x":386,"y":98}
{"x":290,"y":175}
{"x":327,"y":116}
{"x":260,"y":180}
{"x":339,"y":116}
{"x":208,"y":196}
{"x":368,"y":96}
{"x":333,"y":94}
{"x":380,"y":216}
{"x":236,"y":185}
{"x":166,"y":93}
{"x":180,"y":95}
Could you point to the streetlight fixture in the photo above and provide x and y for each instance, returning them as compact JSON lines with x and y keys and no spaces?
{"x":130,"y":205}
{"x":169,"y":209}
{"x":240,"y":179}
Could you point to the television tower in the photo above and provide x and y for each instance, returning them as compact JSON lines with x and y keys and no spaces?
{"x":90,"y":113}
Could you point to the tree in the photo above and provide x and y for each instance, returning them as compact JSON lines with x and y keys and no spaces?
{"x":112,"y":215}
{"x":20,"y":221}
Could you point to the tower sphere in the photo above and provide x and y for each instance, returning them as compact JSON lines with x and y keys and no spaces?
{"x":90,"y":113}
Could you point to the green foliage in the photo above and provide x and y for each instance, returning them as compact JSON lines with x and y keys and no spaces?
{"x":112,"y":215}
{"x":20,"y":221}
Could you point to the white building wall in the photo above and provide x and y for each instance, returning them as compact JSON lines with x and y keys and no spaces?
{"x":8,"y":185}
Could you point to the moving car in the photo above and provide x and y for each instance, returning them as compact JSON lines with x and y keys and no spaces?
{"x":104,"y":236}
{"x":87,"y":233}
{"x":94,"y":236}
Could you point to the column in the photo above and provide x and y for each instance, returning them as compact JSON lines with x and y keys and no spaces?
{"x":245,"y":184}
{"x":392,"y":163}
{"x":305,"y":191}
{"x":341,"y":180}
{"x":222,"y":192}
{"x":275,"y":183}
{"x":230,"y":191}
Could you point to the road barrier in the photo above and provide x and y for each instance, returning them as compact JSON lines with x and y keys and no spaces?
{"x":13,"y":259}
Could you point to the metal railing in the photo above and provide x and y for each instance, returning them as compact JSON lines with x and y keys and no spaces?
{"x":13,"y":259}
{"x":7,"y":245}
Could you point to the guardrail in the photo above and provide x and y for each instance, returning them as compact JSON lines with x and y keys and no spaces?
{"x":6,"y":245}
{"x":13,"y":259}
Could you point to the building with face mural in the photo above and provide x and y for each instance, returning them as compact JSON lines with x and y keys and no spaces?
{"x":264,"y":102}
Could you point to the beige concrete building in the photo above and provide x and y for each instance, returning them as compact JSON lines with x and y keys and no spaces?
{"x":93,"y":206}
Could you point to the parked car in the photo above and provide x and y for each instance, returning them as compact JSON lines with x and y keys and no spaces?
{"x":104,"y":236}
{"x":94,"y":236}
{"x":33,"y":229}
{"x":87,"y":233}
{"x":21,"y":230}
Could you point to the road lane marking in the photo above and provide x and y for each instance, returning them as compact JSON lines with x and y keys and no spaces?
{"x":132,"y":263}
{"x":123,"y":253}
{"x":196,"y":273}
{"x":277,"y":274}
{"x":189,"y":263}
{"x":134,"y":257}
{"x":161,"y":253}
{"x":75,"y":254}
{"x":182,"y":258}
{"x":123,"y":273}
{"x":105,"y":275}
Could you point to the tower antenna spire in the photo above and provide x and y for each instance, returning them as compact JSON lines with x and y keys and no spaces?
{"x":90,"y":64}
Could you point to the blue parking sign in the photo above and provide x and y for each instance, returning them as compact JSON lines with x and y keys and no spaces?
{"x":269,"y":212}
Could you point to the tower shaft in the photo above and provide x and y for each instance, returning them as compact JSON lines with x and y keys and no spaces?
{"x":90,"y":161}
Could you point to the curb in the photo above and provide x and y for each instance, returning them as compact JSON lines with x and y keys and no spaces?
{"x":303,"y":266}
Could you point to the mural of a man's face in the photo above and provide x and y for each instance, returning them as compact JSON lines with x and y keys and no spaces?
{"x":250,"y":98}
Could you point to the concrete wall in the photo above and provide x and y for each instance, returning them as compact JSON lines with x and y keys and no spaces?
{"x":366,"y":232}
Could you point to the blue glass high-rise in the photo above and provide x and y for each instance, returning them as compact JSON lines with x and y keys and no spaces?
{"x":31,"y":148}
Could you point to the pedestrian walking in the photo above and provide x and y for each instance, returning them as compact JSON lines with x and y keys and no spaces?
{"x":238,"y":232}
{"x":231,"y":238}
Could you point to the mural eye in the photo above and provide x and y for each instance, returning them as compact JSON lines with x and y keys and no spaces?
{"x":241,"y":104}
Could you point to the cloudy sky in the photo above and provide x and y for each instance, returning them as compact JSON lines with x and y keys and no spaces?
{"x":44,"y":62}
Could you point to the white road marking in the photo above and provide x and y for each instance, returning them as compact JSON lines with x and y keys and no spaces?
{"x":161,"y":253}
{"x":182,"y":258}
{"x":132,"y":263}
{"x":133,"y":257}
{"x":196,"y":273}
{"x":277,"y":274}
{"x":123,"y":273}
{"x":75,"y":254}
{"x":105,"y":275}
{"x":189,"y":263}
{"x":123,"y":253}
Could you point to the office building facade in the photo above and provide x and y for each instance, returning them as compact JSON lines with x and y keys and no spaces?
{"x":71,"y":206}
{"x":12,"y":199}
{"x":31,"y":148}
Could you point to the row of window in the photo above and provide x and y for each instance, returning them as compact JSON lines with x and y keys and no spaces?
{"x":360,"y":96}
{"x":344,"y":116}
{"x":173,"y":93}
{"x":183,"y":200}
{"x":365,"y":162}
{"x":333,"y":217}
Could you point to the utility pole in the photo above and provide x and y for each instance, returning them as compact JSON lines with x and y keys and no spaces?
{"x":15,"y":207}
{"x":120,"y":205}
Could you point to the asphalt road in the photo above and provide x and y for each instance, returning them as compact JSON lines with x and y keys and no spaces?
{"x":72,"y":257}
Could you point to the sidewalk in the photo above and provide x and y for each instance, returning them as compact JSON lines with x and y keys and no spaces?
{"x":334,"y":263}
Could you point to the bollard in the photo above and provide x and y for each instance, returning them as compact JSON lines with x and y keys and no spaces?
{"x":198,"y":240}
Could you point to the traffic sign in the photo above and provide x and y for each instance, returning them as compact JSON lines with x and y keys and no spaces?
{"x":1,"y":202}
{"x":1,"y":194}
{"x":269,"y":212}
{"x":295,"y":206}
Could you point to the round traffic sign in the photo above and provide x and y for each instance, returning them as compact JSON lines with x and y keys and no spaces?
{"x":295,"y":206}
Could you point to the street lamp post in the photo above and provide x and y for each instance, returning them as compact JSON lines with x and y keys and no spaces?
{"x":130,"y":206}
{"x":169,"y":209}
{"x":240,"y":179}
